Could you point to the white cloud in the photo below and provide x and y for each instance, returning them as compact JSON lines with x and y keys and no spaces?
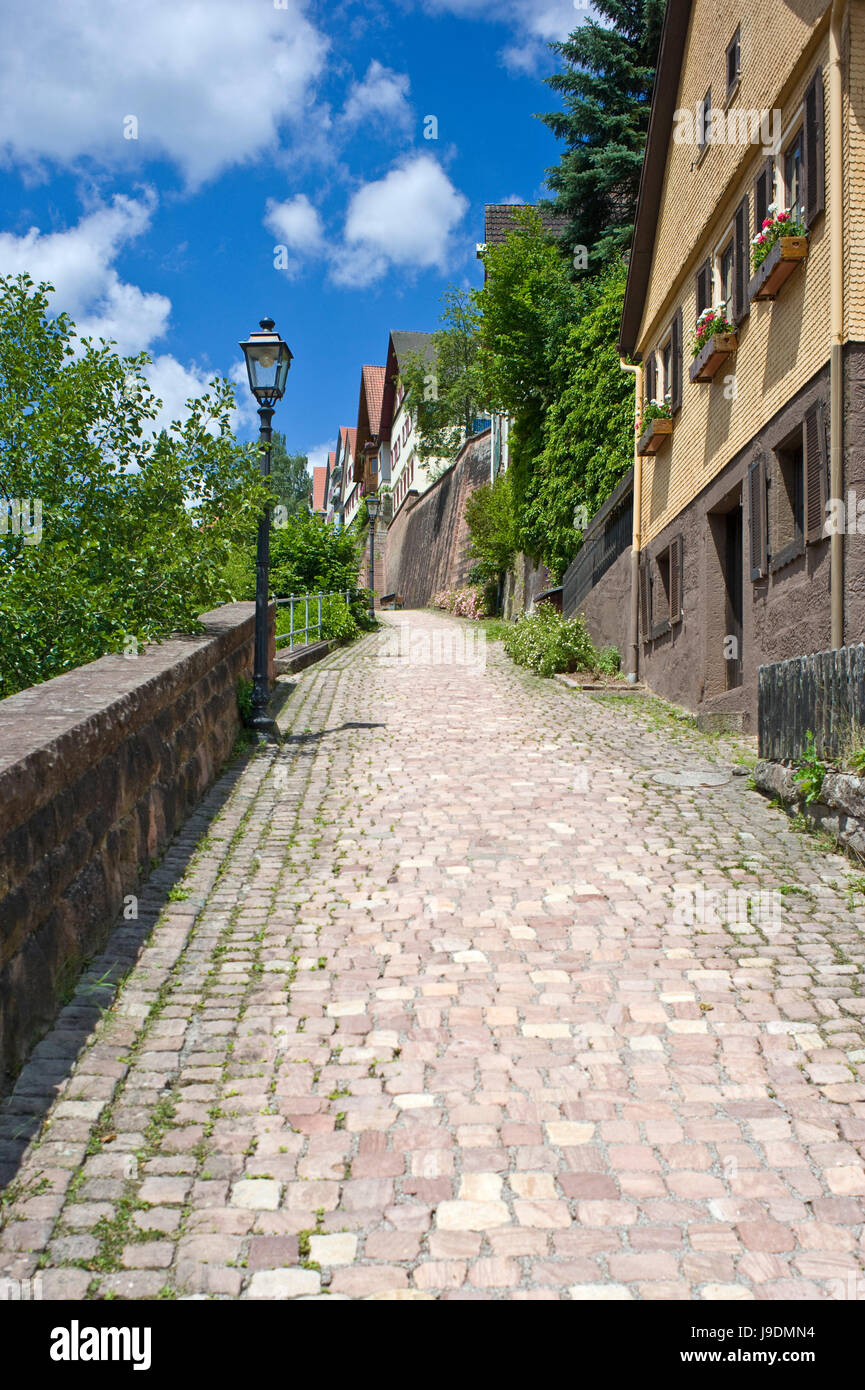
{"x":78,"y":262}
{"x":317,"y":454}
{"x":381,"y":96}
{"x":536,"y":23}
{"x":405,"y":219}
{"x":298,"y":225}
{"x":209,"y":81}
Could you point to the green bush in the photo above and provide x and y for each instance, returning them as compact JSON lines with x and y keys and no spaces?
{"x":546,"y":642}
{"x":609,"y":662}
{"x":338,"y":620}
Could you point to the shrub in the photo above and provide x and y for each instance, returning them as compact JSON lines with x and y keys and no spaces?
{"x":468,"y":602}
{"x":609,"y":662}
{"x":338,"y":622}
{"x":546,"y":642}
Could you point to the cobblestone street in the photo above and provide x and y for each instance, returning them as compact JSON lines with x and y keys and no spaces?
{"x":428,"y":1015}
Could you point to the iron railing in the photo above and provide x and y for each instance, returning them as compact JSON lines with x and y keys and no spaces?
{"x":292,"y":601}
{"x":608,"y":535}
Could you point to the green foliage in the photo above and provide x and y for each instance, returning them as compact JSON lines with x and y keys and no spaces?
{"x":606,"y":87}
{"x":445,"y":392}
{"x":609,"y":661}
{"x":244,"y":700}
{"x":137,"y":529}
{"x":290,"y":477}
{"x":546,"y":642}
{"x":307,"y":556}
{"x":811,"y":772}
{"x":549,"y":354}
{"x":338,"y":623}
{"x":489,"y":514}
{"x":588,"y":431}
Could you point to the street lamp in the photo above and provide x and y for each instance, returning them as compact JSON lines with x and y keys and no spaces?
{"x":373,"y":507}
{"x":268,"y":359}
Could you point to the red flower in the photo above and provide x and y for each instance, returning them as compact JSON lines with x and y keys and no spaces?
{"x":767,"y":222}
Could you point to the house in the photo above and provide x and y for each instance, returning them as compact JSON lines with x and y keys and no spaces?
{"x":366,"y":454}
{"x":341,"y":479}
{"x":751,"y":206}
{"x":400,"y":465}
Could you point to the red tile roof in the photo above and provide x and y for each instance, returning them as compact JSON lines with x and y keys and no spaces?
{"x":373,"y":383}
{"x":319,"y":476}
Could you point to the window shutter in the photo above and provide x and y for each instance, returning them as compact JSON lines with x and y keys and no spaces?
{"x":676,"y":555}
{"x":758,"y":512}
{"x":814,"y":150}
{"x":741,"y":263}
{"x":704,"y":287}
{"x":816,"y":489}
{"x":676,"y":356}
{"x":645,"y":606}
{"x":650,"y":377}
{"x":764,"y":192}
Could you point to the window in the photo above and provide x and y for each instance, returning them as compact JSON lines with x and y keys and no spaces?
{"x":661,"y":590}
{"x":788,"y":533}
{"x":725,"y":275}
{"x":764,"y":193}
{"x":704,"y":112}
{"x":732,"y":63}
{"x":793,"y":198}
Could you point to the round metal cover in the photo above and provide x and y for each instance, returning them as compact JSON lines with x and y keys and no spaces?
{"x":691,"y":779}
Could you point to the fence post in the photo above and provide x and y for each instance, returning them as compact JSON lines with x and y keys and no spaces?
{"x":319,"y":617}
{"x":291,"y":623}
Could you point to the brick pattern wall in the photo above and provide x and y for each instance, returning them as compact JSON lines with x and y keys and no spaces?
{"x":100,"y":767}
{"x":782,"y":344}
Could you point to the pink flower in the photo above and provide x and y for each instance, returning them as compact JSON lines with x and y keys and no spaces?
{"x":767,"y":222}
{"x":783,"y":217}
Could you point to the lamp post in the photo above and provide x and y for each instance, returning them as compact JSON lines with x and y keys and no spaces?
{"x":373,"y":507}
{"x":268,"y":359}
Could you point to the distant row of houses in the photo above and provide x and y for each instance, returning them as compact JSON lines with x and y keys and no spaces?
{"x":379,"y":453}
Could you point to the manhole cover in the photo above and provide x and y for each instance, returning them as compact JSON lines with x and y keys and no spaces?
{"x":691,"y":779}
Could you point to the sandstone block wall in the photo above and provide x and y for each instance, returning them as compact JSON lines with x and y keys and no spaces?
{"x":98,"y":769}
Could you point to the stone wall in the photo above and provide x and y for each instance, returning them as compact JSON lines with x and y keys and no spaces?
{"x":98,"y":769}
{"x":428,"y":540}
{"x":607,"y":608}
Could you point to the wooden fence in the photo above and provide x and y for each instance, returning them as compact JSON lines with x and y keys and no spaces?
{"x":823,"y":693}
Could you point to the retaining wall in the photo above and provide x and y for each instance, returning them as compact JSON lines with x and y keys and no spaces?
{"x":98,"y":769}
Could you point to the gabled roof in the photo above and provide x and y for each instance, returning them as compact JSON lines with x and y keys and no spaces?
{"x":667,"y":78}
{"x":499,"y":221}
{"x":371,"y":391}
{"x":319,"y":479}
{"x":400,"y":347}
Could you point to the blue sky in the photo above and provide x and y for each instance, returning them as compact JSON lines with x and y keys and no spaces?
{"x":180,"y":168}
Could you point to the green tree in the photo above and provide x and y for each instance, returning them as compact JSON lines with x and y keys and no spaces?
{"x":136,"y":529}
{"x":489,"y":514}
{"x":290,"y":477}
{"x":588,"y":431}
{"x":606,"y":86}
{"x":527,"y":306}
{"x":445,"y":392}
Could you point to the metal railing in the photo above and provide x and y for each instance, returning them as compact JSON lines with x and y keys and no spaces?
{"x":306,"y":599}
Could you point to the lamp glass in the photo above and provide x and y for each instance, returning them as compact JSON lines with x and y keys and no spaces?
{"x":268,"y":359}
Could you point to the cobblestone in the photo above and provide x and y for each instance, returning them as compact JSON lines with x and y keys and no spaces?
{"x":449,"y":1009}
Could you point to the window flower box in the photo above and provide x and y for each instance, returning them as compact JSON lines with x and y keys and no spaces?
{"x":712,"y":355}
{"x":777,"y":249}
{"x":655,"y":435}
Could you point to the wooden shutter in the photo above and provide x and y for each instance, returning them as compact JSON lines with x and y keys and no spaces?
{"x":676,"y":362}
{"x":677,"y":548}
{"x":764,"y":192}
{"x":704,"y":287}
{"x":815,"y":481}
{"x":741,"y":263}
{"x":814,"y":172}
{"x":650,"y":377}
{"x":758,"y":516}
{"x":645,"y":604}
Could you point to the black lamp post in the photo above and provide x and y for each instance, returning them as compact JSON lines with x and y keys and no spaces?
{"x":373,"y":507}
{"x":268,"y":359}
